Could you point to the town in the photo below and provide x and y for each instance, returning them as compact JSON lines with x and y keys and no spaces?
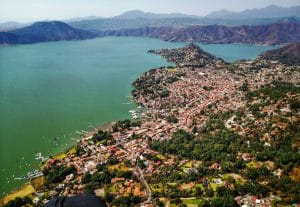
{"x":208,"y":134}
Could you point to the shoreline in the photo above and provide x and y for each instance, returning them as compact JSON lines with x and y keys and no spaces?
{"x":106,"y":125}
{"x":89,"y":133}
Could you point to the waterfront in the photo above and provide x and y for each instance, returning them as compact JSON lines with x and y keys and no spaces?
{"x":48,"y":91}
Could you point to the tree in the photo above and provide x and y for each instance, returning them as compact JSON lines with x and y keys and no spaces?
{"x":198,"y":192}
{"x":172,"y":119}
{"x":204,"y":203}
{"x":295,"y":105}
{"x":244,"y":87}
{"x":89,"y":188}
{"x":164,"y":93}
{"x":108,"y":197}
{"x":177,"y":201}
{"x":159,"y":203}
{"x":209,"y":192}
{"x":58,"y":173}
{"x":86,"y":178}
{"x":226,"y":201}
{"x":222,"y":191}
{"x":252,"y":174}
{"x":141,"y":164}
{"x":18,"y":202}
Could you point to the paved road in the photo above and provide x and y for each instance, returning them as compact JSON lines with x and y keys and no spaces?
{"x":145,"y":184}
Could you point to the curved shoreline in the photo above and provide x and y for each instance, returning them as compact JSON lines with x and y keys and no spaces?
{"x":90,"y":133}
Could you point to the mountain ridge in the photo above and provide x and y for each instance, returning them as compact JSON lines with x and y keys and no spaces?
{"x":136,"y":14}
{"x":271,"y":11}
{"x":44,"y":32}
{"x":288,"y":55}
{"x":137,"y":19}
{"x":278,"y":33}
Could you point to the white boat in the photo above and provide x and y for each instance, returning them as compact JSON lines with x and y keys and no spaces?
{"x":34,"y":174}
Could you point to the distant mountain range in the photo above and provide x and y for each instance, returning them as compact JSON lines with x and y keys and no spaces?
{"x":116,"y":24}
{"x":272,"y":11}
{"x":137,"y":14}
{"x":169,"y":27}
{"x":278,"y":33}
{"x":44,"y":32}
{"x":139,"y":19}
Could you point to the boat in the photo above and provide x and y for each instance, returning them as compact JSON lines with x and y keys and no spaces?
{"x":20,"y":178}
{"x":34,"y":174}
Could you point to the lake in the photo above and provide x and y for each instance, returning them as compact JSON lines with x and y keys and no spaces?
{"x":50,"y":90}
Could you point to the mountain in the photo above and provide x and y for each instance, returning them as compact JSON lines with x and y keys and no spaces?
{"x":137,"y":14}
{"x":139,"y":19}
{"x":219,"y":14}
{"x":271,"y":11}
{"x":278,"y":33}
{"x":43,"y":32}
{"x":8,"y":38}
{"x":116,"y":24}
{"x":289,"y":55}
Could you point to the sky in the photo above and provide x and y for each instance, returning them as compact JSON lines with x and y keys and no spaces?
{"x":33,"y":10}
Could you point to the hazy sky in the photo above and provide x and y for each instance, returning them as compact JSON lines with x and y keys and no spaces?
{"x":31,"y":10}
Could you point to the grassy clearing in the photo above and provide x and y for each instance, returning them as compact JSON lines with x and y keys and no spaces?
{"x":172,"y":184}
{"x":72,"y":150}
{"x":189,"y":164}
{"x":156,"y":187}
{"x":200,"y":186}
{"x":23,"y":192}
{"x":252,"y":164}
{"x":172,"y":69}
{"x":120,"y":167}
{"x":191,"y":202}
{"x":160,"y":156}
{"x":238,"y":178}
{"x":62,"y":155}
